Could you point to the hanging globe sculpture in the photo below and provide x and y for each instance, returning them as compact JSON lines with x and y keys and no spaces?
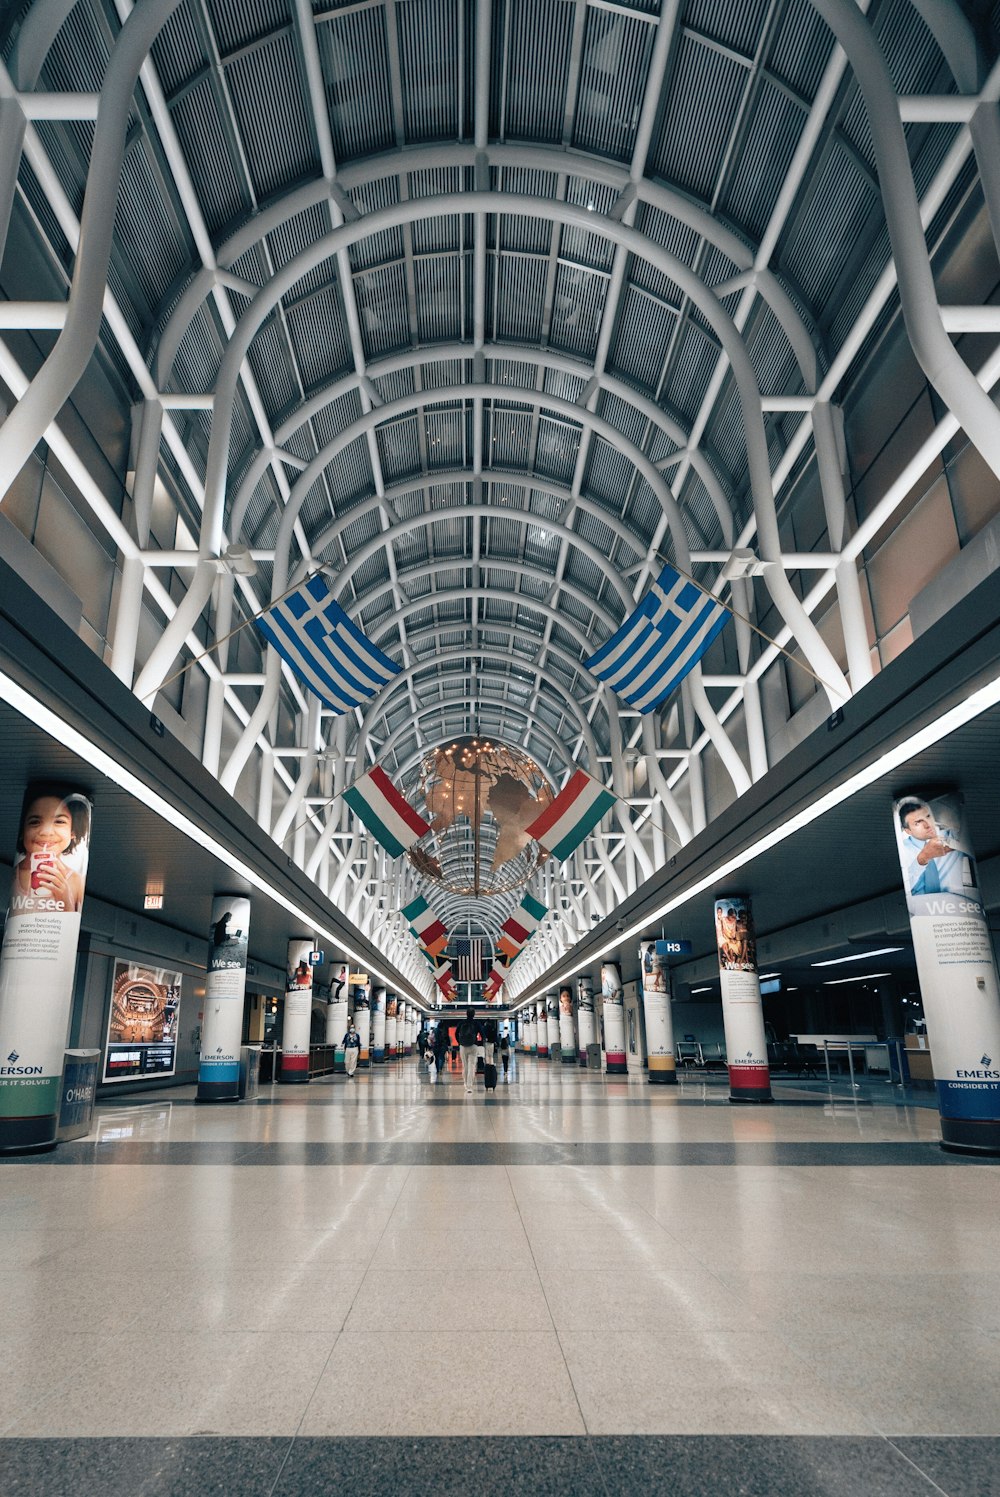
{"x":480,"y":797}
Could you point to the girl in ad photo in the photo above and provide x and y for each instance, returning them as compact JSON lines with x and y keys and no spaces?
{"x":52,"y":849}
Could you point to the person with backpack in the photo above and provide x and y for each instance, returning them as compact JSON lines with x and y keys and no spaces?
{"x":468,"y":1035}
{"x":352,"y":1048}
{"x":505,"y":1054}
{"x":440,"y":1046}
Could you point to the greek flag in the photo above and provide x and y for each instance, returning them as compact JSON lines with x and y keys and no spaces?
{"x":311,"y":631}
{"x":658,"y":644}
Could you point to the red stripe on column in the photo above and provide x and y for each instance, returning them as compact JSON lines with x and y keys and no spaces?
{"x":295,"y":1062}
{"x":749,"y":1076}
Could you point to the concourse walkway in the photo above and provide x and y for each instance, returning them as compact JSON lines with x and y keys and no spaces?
{"x":583,"y":1285}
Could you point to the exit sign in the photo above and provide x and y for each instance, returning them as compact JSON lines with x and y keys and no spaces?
{"x":153,"y":902}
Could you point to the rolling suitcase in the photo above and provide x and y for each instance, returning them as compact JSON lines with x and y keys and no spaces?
{"x":490,"y":1076}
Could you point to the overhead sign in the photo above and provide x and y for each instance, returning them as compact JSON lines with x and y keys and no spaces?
{"x":673,"y":948}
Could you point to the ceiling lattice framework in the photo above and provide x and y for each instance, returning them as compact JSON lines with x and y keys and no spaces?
{"x":482,"y":303}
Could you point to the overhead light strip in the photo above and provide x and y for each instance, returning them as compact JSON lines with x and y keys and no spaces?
{"x":835,"y":982}
{"x":859,"y":956}
{"x":949,"y":722}
{"x":44,"y":717}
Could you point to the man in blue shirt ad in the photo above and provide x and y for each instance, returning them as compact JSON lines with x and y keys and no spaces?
{"x":936,"y":865}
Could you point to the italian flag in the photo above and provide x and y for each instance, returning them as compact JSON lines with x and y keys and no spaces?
{"x":389,"y":818}
{"x":520,"y":925}
{"x":575,"y":811}
{"x":425,"y":925}
{"x":444,"y":980}
{"x":495,"y":981}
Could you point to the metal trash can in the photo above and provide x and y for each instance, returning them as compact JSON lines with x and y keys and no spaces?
{"x":79,"y":1090}
{"x":594,"y":1058}
{"x":249,"y":1072}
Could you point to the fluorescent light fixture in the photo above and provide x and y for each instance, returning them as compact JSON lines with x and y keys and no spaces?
{"x":835,"y":982}
{"x":701,"y":990}
{"x":768,"y":974}
{"x":861,"y":956}
{"x":948,"y":722}
{"x":63,"y":732}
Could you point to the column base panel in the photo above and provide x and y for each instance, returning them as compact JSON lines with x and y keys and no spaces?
{"x":617,"y":1068}
{"x":750,"y":1095}
{"x":216,"y":1091}
{"x":663,"y":1078}
{"x":963,"y":1136}
{"x":293,"y":1078}
{"x":28,"y":1135}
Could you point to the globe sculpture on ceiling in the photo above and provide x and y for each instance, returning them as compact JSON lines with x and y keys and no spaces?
{"x":480,"y":798}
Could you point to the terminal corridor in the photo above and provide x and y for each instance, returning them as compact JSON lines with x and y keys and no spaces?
{"x":610,"y":1287}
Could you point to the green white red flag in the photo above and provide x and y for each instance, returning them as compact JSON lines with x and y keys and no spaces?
{"x":575,"y":811}
{"x":521,"y":924}
{"x":431,"y":932}
{"x":391,"y":820}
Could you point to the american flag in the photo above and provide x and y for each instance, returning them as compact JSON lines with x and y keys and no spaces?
{"x":469,"y":960}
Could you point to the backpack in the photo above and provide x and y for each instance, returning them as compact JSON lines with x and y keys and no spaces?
{"x":468,"y":1032}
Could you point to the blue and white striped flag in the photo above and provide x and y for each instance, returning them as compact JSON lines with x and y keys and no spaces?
{"x":658,"y":644}
{"x":311,"y":631}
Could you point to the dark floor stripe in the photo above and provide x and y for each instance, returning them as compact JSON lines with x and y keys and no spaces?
{"x":543,"y":1152}
{"x":682,"y":1465}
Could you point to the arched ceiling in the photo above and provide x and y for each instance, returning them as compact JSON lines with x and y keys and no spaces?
{"x":487,"y":282}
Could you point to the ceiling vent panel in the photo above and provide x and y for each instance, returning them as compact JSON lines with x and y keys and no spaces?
{"x":350,"y":473}
{"x":595,"y":251}
{"x":578,"y":306}
{"x":437,"y":280}
{"x":271,"y":366}
{"x":642,"y":338}
{"x":616,"y":53}
{"x":196,"y":118}
{"x":383,"y":309}
{"x":376,"y":249}
{"x":775,"y":127}
{"x":177,"y":53}
{"x":354,"y":57}
{"x":694,"y":360}
{"x":538,"y":60}
{"x":278,"y":143}
{"x":735,"y":26}
{"x":429,"y":36}
{"x":318,"y":333}
{"x":557,"y":449}
{"x":839,"y":213}
{"x":801,"y":48}
{"x":701,"y":112}
{"x":520,"y":299}
{"x":399,"y":448}
{"x":508,"y":437}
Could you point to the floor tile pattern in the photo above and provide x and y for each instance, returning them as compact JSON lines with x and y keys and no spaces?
{"x":587,"y":1285}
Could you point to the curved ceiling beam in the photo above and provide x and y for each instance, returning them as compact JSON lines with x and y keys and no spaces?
{"x":513,"y":353}
{"x":813,"y":646}
{"x":487,"y":594}
{"x":489,"y":664}
{"x":668,"y":200}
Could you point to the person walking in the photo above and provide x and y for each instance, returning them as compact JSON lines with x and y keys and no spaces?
{"x":440,"y":1047}
{"x":352,"y":1048}
{"x":505,"y":1054}
{"x":468,"y":1036}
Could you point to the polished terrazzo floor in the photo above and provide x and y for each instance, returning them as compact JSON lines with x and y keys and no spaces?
{"x":585,"y":1285}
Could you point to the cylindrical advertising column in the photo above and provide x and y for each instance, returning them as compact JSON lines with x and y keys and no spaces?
{"x":656,"y":1008}
{"x":336,"y":1016}
{"x":407,"y":1029}
{"x":542,"y":1030}
{"x":613,"y":996}
{"x":378,"y":1026}
{"x":361,"y":996}
{"x":742,"y":1012}
{"x":586,"y":1024}
{"x":38,"y":961}
{"x":225,"y":988}
{"x":391,"y":1025}
{"x":528,"y":1028}
{"x":298,"y":1013}
{"x":567,"y":1028}
{"x":956,"y":967}
{"x":552,"y":1024}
